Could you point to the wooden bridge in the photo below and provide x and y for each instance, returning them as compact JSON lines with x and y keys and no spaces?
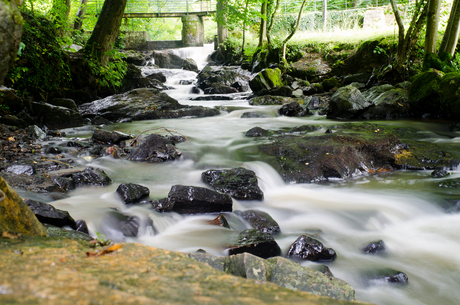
{"x":160,"y":8}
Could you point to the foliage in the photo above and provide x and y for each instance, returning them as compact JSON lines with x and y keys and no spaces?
{"x":41,"y":66}
{"x":110,"y":75}
{"x":4,"y":109}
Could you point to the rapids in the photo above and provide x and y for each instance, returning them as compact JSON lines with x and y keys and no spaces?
{"x":401,"y":208}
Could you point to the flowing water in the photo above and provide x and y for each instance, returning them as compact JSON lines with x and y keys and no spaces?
{"x":402,"y":208}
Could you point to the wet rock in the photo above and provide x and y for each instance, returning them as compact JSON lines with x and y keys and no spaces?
{"x":257,"y":132}
{"x":57,"y":117}
{"x":277,"y":91}
{"x":98,"y":120}
{"x":260,"y":220}
{"x":389,"y":103}
{"x":154,"y":148}
{"x":89,"y":176}
{"x":196,"y":200}
{"x":314,"y":88}
{"x":64,"y":102}
{"x":450,"y":183}
{"x":168,"y":59}
{"x":394,"y":277}
{"x":11,"y":120}
{"x":114,"y":224}
{"x":217,"y":88}
{"x":212,"y":98}
{"x":252,"y":115}
{"x":36,"y":132}
{"x":19,"y":169}
{"x":440,"y":173}
{"x":35,"y":183}
{"x":162,"y":205}
{"x":142,"y":104}
{"x":109,"y":138}
{"x":274,"y":100}
{"x":53,"y":231}
{"x":158,"y":76}
{"x":266,"y":79}
{"x":293,"y":110}
{"x":46,"y":213}
{"x":375,"y":247}
{"x":240,"y":183}
{"x":223,"y":75}
{"x":54,"y":150}
{"x":255,"y":242}
{"x":330,"y":83}
{"x":424,"y":96}
{"x":357,"y":78}
{"x":135,"y":58}
{"x":190,"y":65}
{"x":308,"y":248}
{"x":326,"y":271}
{"x":9,"y":98}
{"x":346,"y":103}
{"x":81,"y":226}
{"x":280,"y":271}
{"x":220,"y":221}
{"x":16,"y":216}
{"x":131,"y":193}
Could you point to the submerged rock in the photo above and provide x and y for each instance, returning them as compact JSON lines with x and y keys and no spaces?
{"x":374,"y":247}
{"x":255,"y":242}
{"x":240,"y":183}
{"x":116,"y":225}
{"x":260,"y":220}
{"x":131,"y":193}
{"x":388,"y":277}
{"x":258,"y":132}
{"x":194,"y":200}
{"x":220,"y":221}
{"x":46,"y":213}
{"x":155,"y":148}
{"x":16,"y":216}
{"x":109,"y":137}
{"x":308,"y":248}
{"x":294,"y":110}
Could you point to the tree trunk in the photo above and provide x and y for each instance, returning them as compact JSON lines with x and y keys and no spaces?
{"x":294,"y":29}
{"x":80,"y":15}
{"x":222,"y":31}
{"x":106,"y":30}
{"x":450,"y":39}
{"x":270,"y":26}
{"x":434,"y":7}
{"x":60,"y":10}
{"x":399,"y":54}
{"x":246,"y":10}
{"x":263,"y":23}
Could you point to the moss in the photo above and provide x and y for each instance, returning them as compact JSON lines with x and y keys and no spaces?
{"x":424,"y":94}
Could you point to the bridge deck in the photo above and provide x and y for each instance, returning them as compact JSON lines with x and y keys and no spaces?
{"x":159,"y":8}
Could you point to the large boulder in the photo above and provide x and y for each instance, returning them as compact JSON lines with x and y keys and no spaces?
{"x":132,"y":193}
{"x":89,"y":176}
{"x":346,"y":103}
{"x":194,"y":200}
{"x":281,"y":272}
{"x":15,"y":215}
{"x":424,"y":95}
{"x":226,"y":76}
{"x":255,"y":242}
{"x":266,"y":79}
{"x":10,"y":35}
{"x":142,"y":104}
{"x":155,"y":148}
{"x":294,"y":110}
{"x":389,"y":103}
{"x":8,"y":98}
{"x":109,"y":137}
{"x":240,"y":183}
{"x":57,"y":117}
{"x":169,"y":60}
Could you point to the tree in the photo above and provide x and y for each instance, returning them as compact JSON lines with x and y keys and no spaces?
{"x":450,"y":38}
{"x":432,"y":22}
{"x":60,"y":11}
{"x":106,"y":30}
{"x":406,"y":41}
{"x":80,"y":15}
{"x":293,"y":30}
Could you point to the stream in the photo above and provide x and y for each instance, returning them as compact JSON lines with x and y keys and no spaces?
{"x":401,"y":208}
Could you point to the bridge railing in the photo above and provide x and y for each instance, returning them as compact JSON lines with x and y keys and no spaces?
{"x":158,"y":6}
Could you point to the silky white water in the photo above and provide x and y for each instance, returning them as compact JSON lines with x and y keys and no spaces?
{"x":401,"y":208}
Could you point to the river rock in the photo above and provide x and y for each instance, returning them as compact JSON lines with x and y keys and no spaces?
{"x":308,"y":248}
{"x":389,"y":103}
{"x":257,"y":132}
{"x":227,"y":76}
{"x":16,"y":216}
{"x":294,"y":110}
{"x":266,"y":79}
{"x":220,"y":221}
{"x":57,"y":117}
{"x":109,"y":137}
{"x":46,"y":213}
{"x":217,"y":88}
{"x":132,"y":193}
{"x":280,"y":271}
{"x":309,"y":67}
{"x":260,"y":220}
{"x":10,"y":35}
{"x":20,"y":169}
{"x":158,"y":76}
{"x":64,"y":102}
{"x":240,"y":183}
{"x":81,"y":226}
{"x":274,"y":100}
{"x":53,"y":231}
{"x":424,"y":97}
{"x":330,"y":83}
{"x":89,"y":176}
{"x":194,"y":200}
{"x":440,"y":173}
{"x":133,"y":57}
{"x":9,"y":98}
{"x":116,"y":225}
{"x":155,"y":148}
{"x":169,"y":60}
{"x":142,"y":104}
{"x":389,"y":277}
{"x":255,"y":242}
{"x":190,"y":65}
{"x":375,"y":247}
{"x":346,"y":103}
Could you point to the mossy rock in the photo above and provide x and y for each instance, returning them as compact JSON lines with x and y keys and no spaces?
{"x":424,"y":94}
{"x":266,"y":79}
{"x":15,"y":215}
{"x":449,"y":90}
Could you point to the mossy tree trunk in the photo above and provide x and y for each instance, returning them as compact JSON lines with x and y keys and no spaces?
{"x":434,"y":8}
{"x":263,"y":23}
{"x":294,"y":29}
{"x":80,"y":15}
{"x":60,"y":10}
{"x":272,"y":22}
{"x":106,"y":30}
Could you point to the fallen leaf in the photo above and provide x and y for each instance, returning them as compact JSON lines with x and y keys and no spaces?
{"x":9,"y":235}
{"x":11,"y":139}
{"x":105,"y":251}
